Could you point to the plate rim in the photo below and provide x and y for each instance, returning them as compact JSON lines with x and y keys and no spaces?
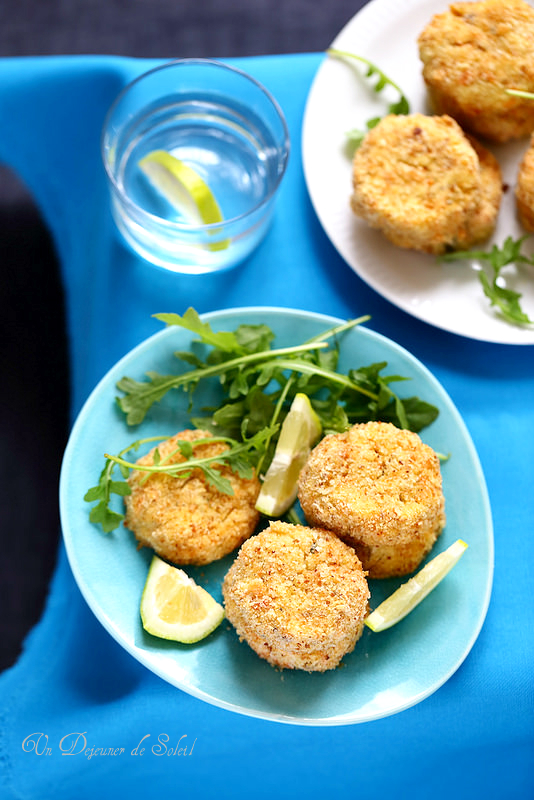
{"x":143,"y":656}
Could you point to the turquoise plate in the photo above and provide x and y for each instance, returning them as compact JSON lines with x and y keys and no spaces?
{"x":386,"y":672}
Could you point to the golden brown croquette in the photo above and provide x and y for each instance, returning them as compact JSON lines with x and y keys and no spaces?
{"x":471,"y":54}
{"x":418,"y":179}
{"x":185,"y":520}
{"x":524,"y":190}
{"x":298,"y":596}
{"x":379,"y":489}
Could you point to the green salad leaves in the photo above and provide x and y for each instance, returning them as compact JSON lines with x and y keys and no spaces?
{"x":507,"y":301}
{"x":254,"y":385}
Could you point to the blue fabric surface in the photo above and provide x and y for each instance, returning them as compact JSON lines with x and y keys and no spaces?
{"x":472,"y":738}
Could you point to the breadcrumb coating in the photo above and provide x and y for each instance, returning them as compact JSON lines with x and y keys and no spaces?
{"x":298,"y":596}
{"x":379,"y":489}
{"x":185,"y":520}
{"x":419,"y":180}
{"x":524,"y":190}
{"x":471,"y":54}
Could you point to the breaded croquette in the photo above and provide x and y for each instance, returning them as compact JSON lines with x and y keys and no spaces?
{"x":419,"y":180}
{"x":185,"y":520}
{"x":379,"y":489}
{"x":471,"y":54}
{"x":298,"y":596}
{"x":524,"y":190}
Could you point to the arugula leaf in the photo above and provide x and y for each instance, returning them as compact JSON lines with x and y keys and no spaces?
{"x":102,"y":514}
{"x":400,"y":106}
{"x":507,"y":301}
{"x":245,"y":417}
{"x":254,"y":338}
{"x":411,"y":412}
{"x":417,"y":413}
{"x":224,"y":340}
{"x":139,"y":396}
{"x":218,"y":481}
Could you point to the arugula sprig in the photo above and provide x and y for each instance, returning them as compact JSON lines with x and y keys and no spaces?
{"x":253,"y":378}
{"x":239,"y":457}
{"x":139,"y":396}
{"x":241,"y":361}
{"x":507,"y":301}
{"x":399,"y":106}
{"x":340,"y":400}
{"x":102,"y":514}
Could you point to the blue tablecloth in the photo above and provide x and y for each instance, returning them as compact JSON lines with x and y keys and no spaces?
{"x":472,"y":738}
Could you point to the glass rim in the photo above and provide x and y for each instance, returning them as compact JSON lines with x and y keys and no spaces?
{"x":175,"y":224}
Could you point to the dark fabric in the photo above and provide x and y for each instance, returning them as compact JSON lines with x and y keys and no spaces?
{"x":33,"y":412}
{"x":161,"y":28}
{"x":33,"y":349}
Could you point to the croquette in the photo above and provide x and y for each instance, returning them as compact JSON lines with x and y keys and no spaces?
{"x":378,"y":488}
{"x":185,"y":520}
{"x":471,"y":54}
{"x":524,"y":190}
{"x":419,"y":180}
{"x":298,"y":596}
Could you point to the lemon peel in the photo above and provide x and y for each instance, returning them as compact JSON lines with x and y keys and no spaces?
{"x":409,"y":595}
{"x":174,"y":607}
{"x":300,"y":430}
{"x":184,"y":189}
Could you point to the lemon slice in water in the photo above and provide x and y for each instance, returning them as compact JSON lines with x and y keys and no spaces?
{"x":409,"y":595}
{"x":184,"y":189}
{"x":174,"y":607}
{"x":300,"y":430}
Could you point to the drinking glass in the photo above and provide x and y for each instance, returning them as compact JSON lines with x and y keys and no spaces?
{"x":222,"y":124}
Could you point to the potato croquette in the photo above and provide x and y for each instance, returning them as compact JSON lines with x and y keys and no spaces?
{"x":379,"y":489}
{"x":471,"y":54}
{"x":185,"y":520}
{"x":418,"y":179}
{"x":298,"y":596}
{"x":524,"y":190}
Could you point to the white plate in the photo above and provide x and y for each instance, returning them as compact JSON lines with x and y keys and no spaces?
{"x":386,"y":672}
{"x":448,"y":296}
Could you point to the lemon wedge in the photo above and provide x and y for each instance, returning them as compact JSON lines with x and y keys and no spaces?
{"x":409,"y":595}
{"x":300,"y":430}
{"x":184,"y":189}
{"x":174,"y":607}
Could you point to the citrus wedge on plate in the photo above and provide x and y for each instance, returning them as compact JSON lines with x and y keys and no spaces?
{"x":184,"y":189}
{"x":174,"y":607}
{"x":409,"y":595}
{"x":300,"y":430}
